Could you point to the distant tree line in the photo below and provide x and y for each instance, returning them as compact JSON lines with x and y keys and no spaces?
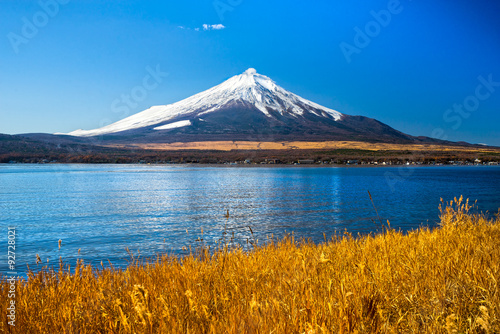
{"x":24,"y":150}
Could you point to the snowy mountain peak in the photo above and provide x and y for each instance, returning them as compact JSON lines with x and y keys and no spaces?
{"x":247,"y":90}
{"x":249,"y":78}
{"x":251,"y":71}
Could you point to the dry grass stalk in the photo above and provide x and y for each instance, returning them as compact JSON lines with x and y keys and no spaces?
{"x":426,"y":281}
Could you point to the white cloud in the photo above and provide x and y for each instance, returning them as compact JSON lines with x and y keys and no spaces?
{"x":205,"y":27}
{"x":213,"y":27}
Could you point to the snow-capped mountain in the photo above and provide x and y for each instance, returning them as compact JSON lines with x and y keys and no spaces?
{"x":249,"y":106}
{"x":249,"y":88}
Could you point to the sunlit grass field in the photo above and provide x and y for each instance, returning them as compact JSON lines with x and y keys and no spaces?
{"x":444,"y":280}
{"x":302,"y":145}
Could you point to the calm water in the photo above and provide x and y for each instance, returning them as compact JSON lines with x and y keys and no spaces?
{"x":102,"y":209}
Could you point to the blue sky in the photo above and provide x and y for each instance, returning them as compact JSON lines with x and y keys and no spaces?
{"x":424,"y":67}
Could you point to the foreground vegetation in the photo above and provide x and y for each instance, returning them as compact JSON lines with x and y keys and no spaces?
{"x":444,"y":280}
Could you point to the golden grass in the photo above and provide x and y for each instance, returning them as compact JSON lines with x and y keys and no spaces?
{"x":444,"y":280}
{"x":285,"y":145}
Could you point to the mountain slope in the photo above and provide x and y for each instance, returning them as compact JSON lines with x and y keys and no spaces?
{"x":249,"y":106}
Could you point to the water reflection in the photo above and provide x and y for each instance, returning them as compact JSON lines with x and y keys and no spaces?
{"x":103,"y":209}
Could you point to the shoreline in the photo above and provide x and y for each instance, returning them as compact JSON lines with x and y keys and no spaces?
{"x":226,"y":165}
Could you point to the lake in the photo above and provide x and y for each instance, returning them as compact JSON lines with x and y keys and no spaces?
{"x":103,"y":209}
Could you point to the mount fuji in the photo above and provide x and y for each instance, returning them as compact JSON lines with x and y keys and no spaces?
{"x":246,"y":107}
